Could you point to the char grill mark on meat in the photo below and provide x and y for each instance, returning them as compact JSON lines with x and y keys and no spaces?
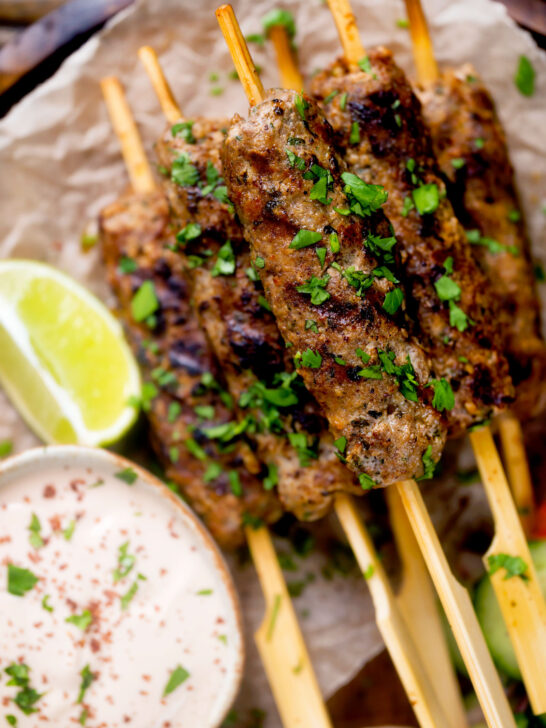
{"x":386,"y":433}
{"x":173,"y":356}
{"x":465,"y":128}
{"x":393,"y":148}
{"x":244,"y":334}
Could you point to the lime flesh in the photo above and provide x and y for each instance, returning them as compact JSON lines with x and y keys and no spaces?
{"x":63,"y":360}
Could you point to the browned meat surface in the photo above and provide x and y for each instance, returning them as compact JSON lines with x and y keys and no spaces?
{"x":473,"y":156}
{"x":377,"y":120}
{"x":182,"y":391}
{"x":280,"y":416}
{"x":284,"y":178}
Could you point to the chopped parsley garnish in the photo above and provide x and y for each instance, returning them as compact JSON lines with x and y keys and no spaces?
{"x":448,"y":290}
{"x":304,"y":238}
{"x":35,"y":538}
{"x":190,"y":232}
{"x":371,"y":372}
{"x":204,"y":592}
{"x":184,"y":130}
{"x":357,"y":279}
{"x":26,"y":697}
{"x":20,"y":581}
{"x":334,"y":243}
{"x":259,"y":262}
{"x":184,"y":173}
{"x":479,"y":142}
{"x":340,"y":360}
{"x":128,"y":475}
{"x":81,"y":621}
{"x":301,"y":105}
{"x":407,"y":206}
{"x":458,"y":163}
{"x":393,"y":301}
{"x":225,"y":262}
{"x":257,"y":38}
{"x":525,"y":77}
{"x":426,"y":198}
{"x":311,"y":359}
{"x":402,"y":23}
{"x":273,"y":619}
{"x":162,"y":377}
{"x":405,"y":374}
{"x":323,"y":183}
{"x":173,"y":412}
{"x":45,"y":604}
{"x":263,"y":302}
{"x":354,"y":137}
{"x":343,"y":101}
{"x":315,"y":287}
{"x":272,"y":477}
{"x":366,"y":482}
{"x":341,"y":444}
{"x":443,"y":399}
{"x":369,"y":572}
{"x":493,"y":246}
{"x":6,"y":448}
{"x":365,"y":65}
{"x":205,"y":411}
{"x":331,"y":96}
{"x":126,"y":598}
{"x":69,"y":530}
{"x":513,"y":565}
{"x":127,"y":265}
{"x":294,"y":160}
{"x":213,"y":471}
{"x":363,"y":198}
{"x":235,"y":483}
{"x":87,"y":678}
{"x":178,"y":676}
{"x":144,"y":302}
{"x":321,"y":255}
{"x":311,"y":325}
{"x":514,"y":215}
{"x":279,"y":16}
{"x":381,"y":247}
{"x":126,"y":561}
{"x":429,"y":466}
{"x":11,"y":720}
{"x":306,"y":451}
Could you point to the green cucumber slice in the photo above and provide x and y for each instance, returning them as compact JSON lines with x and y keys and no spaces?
{"x":490,"y":617}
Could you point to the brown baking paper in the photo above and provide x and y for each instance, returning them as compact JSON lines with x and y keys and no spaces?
{"x":60,"y":164}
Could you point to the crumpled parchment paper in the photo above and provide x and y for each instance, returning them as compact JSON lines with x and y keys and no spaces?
{"x":60,"y":164}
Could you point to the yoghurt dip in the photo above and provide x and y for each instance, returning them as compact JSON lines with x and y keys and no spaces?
{"x":116,"y":608}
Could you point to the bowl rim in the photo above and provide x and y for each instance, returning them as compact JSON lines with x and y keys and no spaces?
{"x":74,"y":453}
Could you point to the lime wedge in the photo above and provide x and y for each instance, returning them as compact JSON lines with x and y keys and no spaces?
{"x":63,"y":360}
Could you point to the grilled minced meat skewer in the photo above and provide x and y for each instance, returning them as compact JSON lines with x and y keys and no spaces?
{"x":471,"y":148}
{"x":377,"y":121}
{"x":276,"y":411}
{"x":183,"y":396}
{"x":322,"y":248}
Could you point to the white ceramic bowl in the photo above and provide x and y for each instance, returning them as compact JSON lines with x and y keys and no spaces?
{"x":182,"y":616}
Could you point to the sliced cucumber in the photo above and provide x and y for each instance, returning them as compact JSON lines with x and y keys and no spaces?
{"x":490,"y":617}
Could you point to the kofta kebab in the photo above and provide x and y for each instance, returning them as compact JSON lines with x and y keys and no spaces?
{"x":266,"y":178}
{"x":377,"y":119}
{"x":184,"y":395}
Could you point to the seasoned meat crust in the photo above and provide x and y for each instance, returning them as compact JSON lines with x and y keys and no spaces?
{"x":471,"y":148}
{"x":174,"y":355}
{"x":345,"y":337}
{"x":243,"y":333}
{"x":377,"y":121}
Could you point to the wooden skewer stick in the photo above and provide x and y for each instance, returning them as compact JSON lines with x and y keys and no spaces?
{"x":288,"y":68}
{"x":279,"y":639}
{"x":517,"y":465}
{"x":423,"y":51}
{"x":347,"y":29}
{"x":415,"y":601}
{"x":124,"y":125}
{"x":454,"y":598}
{"x":460,"y":612}
{"x":522,"y":604}
{"x":419,"y":688}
